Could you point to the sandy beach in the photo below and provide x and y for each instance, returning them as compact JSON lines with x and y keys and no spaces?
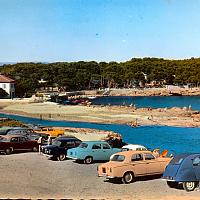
{"x":103,"y":114}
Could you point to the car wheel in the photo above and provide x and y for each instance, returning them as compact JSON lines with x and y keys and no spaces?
{"x":35,"y":149}
{"x":8,"y":151}
{"x":61,"y":157}
{"x":172,"y":184}
{"x":59,"y":135}
{"x":190,"y":186}
{"x":88,"y":160}
{"x":128,"y":177}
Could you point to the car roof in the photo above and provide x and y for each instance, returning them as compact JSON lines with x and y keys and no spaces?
{"x":185,"y":155}
{"x":66,"y":138}
{"x":94,"y":142}
{"x":133,"y":146}
{"x":10,"y":136}
{"x":130,"y":153}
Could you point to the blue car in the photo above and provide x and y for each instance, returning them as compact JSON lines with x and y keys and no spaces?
{"x":92,"y":151}
{"x":183,"y":169}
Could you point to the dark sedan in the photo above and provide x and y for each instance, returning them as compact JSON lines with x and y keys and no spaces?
{"x":183,"y":169}
{"x":13,"y":143}
{"x":58,"y":149}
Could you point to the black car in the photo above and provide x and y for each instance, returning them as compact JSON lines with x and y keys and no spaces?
{"x":58,"y":149}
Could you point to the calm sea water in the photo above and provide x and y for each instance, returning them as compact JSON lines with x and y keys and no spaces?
{"x":175,"y":139}
{"x":154,"y":101}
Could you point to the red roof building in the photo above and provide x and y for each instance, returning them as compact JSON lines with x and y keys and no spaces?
{"x":5,"y":79}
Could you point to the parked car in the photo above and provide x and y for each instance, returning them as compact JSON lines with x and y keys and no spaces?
{"x":12,"y":143}
{"x":59,"y":147}
{"x":92,"y":151}
{"x":28,"y":132}
{"x":133,"y":147}
{"x":54,"y":132}
{"x":183,"y":169}
{"x":127,"y":165}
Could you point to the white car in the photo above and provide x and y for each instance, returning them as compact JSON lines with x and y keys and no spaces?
{"x":133,"y":147}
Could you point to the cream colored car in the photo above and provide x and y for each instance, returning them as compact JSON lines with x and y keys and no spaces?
{"x":130,"y":164}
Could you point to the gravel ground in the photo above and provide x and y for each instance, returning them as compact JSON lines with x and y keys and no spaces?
{"x":30,"y":175}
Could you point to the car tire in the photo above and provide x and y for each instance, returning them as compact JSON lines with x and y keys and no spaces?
{"x":61,"y":157}
{"x":128,"y":177}
{"x":8,"y":151}
{"x":172,"y":184}
{"x":190,"y":185}
{"x":59,"y":135}
{"x":35,"y":149}
{"x":88,"y":160}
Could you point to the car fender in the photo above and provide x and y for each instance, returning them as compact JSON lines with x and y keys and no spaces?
{"x":186,"y":174}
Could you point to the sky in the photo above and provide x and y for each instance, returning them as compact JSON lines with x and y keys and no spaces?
{"x":99,"y":30}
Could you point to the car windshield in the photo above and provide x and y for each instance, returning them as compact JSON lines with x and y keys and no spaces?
{"x":56,"y":143}
{"x":176,"y":161}
{"x":118,"y":158}
{"x":83,"y":145}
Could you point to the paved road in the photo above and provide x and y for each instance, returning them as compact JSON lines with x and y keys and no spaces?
{"x":30,"y":175}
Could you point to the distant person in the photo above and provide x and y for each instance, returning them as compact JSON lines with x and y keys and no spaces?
{"x":49,"y":140}
{"x":40,"y":142}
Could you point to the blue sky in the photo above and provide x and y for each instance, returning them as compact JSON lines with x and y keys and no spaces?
{"x":100,"y":30}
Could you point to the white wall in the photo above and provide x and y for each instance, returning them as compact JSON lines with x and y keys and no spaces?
{"x":8,"y":87}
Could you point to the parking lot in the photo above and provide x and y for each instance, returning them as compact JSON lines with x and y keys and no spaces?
{"x":30,"y":175}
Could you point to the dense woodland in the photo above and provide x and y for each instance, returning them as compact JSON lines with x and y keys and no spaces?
{"x":89,"y":75}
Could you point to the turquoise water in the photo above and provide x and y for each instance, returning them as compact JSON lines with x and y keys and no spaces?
{"x":154,"y":101}
{"x":175,"y":139}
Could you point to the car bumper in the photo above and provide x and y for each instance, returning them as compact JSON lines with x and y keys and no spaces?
{"x":71,"y":157}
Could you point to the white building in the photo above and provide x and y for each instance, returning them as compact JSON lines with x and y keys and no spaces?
{"x":8,"y":85}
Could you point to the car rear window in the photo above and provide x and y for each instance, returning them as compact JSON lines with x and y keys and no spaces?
{"x":118,"y":158}
{"x":83,"y":145}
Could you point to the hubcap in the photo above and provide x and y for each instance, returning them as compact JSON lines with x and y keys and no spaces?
{"x":190,"y":185}
{"x":62,"y":157}
{"x":88,"y":160}
{"x":128,"y":177}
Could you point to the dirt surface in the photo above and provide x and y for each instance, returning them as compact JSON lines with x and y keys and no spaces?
{"x":30,"y":175}
{"x":105,"y":114}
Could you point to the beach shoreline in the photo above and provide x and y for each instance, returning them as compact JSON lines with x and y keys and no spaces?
{"x":104,"y":114}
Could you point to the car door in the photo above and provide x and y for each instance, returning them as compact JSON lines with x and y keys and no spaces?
{"x":138,"y":164}
{"x":106,"y":152}
{"x":196,"y":166}
{"x":97,"y":152}
{"x":152,"y":165}
{"x":15,"y":143}
{"x":24,"y":144}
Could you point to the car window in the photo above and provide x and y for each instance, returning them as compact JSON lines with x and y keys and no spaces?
{"x":148,"y":156}
{"x":118,"y":158}
{"x":106,"y":146}
{"x":83,"y":145}
{"x":15,"y":139}
{"x":196,"y":161}
{"x":22,"y":139}
{"x":70,"y":144}
{"x":136,"y":157}
{"x":96,"y":146}
{"x":56,"y":143}
{"x":77,"y":142}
